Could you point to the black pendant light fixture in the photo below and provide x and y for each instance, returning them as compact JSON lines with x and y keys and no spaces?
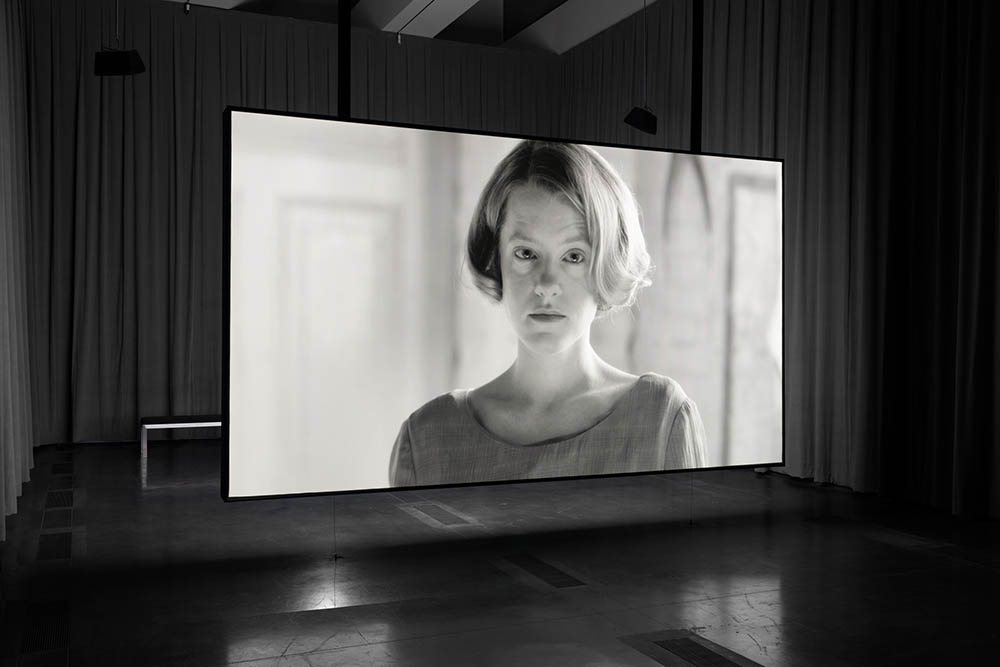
{"x":116,"y":62}
{"x":642,"y":117}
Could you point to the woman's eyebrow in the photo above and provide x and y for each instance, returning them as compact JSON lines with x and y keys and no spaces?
{"x":577,"y":238}
{"x":520,"y":237}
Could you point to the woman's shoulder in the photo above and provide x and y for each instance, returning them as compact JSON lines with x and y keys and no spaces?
{"x":443,"y":408}
{"x":661,"y":394}
{"x":662,"y":386}
{"x":677,"y":421}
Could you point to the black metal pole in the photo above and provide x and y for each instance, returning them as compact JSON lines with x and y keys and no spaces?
{"x":697,"y":44}
{"x":344,"y":59}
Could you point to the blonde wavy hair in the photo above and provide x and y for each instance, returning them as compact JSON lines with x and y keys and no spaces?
{"x":620,"y":266}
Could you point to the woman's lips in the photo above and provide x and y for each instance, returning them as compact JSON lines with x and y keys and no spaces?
{"x":546,"y":317}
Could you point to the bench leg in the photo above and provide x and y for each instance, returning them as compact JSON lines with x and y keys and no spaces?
{"x":143,"y":453}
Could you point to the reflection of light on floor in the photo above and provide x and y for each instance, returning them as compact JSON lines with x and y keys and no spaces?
{"x":753,"y":600}
{"x":328,"y":598}
{"x":293,"y":633}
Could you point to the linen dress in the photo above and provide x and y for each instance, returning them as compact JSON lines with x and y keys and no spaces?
{"x":654,"y":426}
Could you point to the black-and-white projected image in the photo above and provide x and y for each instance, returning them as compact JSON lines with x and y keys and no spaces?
{"x":410,"y":307}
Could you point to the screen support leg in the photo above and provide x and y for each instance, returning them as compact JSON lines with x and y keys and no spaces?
{"x":336,"y":556}
{"x":691,"y":498}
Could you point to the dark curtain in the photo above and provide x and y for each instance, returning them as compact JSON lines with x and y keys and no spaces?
{"x":126,"y":242}
{"x":941,"y":440}
{"x":886,"y":117}
{"x":16,"y":436}
{"x":793,"y":80}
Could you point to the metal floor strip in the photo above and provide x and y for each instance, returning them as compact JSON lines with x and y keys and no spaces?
{"x":440,"y":514}
{"x":695,"y":653}
{"x":550,"y":574}
{"x":62,"y":483}
{"x":57,"y":518}
{"x":682,"y":648}
{"x":63,"y":498}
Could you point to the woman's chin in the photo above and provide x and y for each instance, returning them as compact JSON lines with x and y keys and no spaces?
{"x":545,"y":343}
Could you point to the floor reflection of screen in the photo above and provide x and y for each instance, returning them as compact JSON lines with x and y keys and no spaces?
{"x":353,"y":306}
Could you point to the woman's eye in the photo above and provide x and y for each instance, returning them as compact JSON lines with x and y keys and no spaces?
{"x":523,"y":253}
{"x":575,"y":257}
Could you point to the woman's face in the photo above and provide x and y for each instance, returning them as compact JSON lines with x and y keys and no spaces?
{"x":545,"y":257}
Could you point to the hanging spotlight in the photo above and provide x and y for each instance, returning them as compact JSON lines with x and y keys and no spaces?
{"x":642,"y":117}
{"x":116,"y":62}
{"x":111,"y":62}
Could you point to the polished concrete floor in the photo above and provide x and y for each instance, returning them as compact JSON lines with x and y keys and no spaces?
{"x":99,"y":569}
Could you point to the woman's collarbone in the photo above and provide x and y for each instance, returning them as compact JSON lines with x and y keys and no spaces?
{"x":517,"y":423}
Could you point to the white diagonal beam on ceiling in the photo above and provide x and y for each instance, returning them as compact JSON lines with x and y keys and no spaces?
{"x":424,"y":18}
{"x":574,"y":22}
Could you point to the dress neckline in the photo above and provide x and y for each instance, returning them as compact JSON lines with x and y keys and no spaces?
{"x":462,"y":397}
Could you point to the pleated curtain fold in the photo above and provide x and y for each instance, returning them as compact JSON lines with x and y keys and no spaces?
{"x":17,"y":437}
{"x":885,"y":114}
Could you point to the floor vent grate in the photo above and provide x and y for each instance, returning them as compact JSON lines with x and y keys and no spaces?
{"x":53,"y":546}
{"x":46,"y":627}
{"x":62,"y":483}
{"x":695,"y":653}
{"x":550,"y":574}
{"x":56,"y":658}
{"x":57,"y":519}
{"x":682,"y":648}
{"x":440,"y":514}
{"x":62,"y":498}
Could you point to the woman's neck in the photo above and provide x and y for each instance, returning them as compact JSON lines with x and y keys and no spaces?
{"x":543,"y":380}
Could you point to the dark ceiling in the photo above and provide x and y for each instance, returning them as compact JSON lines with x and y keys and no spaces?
{"x":547,"y":25}
{"x":485,"y":22}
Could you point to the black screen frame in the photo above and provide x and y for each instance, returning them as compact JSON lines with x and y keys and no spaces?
{"x":226,"y":286}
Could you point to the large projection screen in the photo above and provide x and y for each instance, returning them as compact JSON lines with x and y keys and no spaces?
{"x":356,"y":328}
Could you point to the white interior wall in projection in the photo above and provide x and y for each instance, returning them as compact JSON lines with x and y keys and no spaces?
{"x":351,"y":302}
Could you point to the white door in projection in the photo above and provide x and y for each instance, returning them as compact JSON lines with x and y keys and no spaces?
{"x":322,"y":292}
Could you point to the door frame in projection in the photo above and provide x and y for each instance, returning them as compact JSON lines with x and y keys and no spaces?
{"x":683,"y":337}
{"x":753,"y":380}
{"x":322,"y":203}
{"x":339,"y":323}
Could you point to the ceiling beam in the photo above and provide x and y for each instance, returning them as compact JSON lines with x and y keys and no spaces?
{"x":218,"y":4}
{"x":574,"y":22}
{"x":423,"y":18}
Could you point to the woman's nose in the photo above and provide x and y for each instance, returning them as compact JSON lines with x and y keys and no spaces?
{"x":547,"y":284}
